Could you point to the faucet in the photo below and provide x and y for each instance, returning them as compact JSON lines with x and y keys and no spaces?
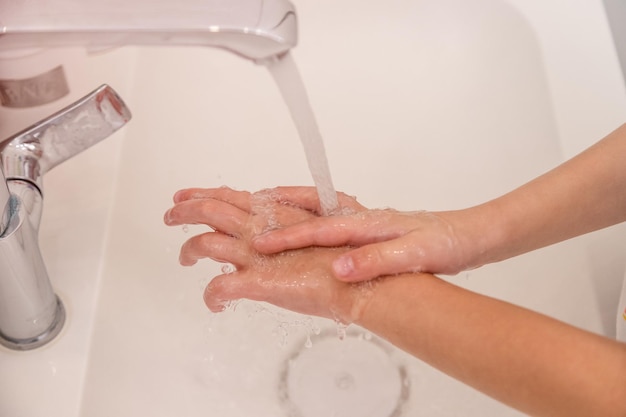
{"x":30,"y":313}
{"x":259,"y":30}
{"x":262,"y":31}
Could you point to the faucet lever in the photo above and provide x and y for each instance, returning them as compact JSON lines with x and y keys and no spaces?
{"x":29,"y":154}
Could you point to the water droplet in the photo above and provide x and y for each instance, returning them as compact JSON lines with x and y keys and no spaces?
{"x":233,"y":304}
{"x":53,"y":368}
{"x":309,"y":343}
{"x":341,"y":330}
{"x":228,"y":269}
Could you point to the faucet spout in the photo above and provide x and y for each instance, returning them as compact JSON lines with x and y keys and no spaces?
{"x":259,"y":30}
{"x":30,"y":312}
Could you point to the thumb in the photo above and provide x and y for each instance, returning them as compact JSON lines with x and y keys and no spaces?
{"x":378,"y":259}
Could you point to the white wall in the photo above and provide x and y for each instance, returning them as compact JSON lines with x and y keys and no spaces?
{"x":616,"y":14}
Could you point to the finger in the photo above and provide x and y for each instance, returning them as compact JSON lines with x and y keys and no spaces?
{"x":240,"y":199}
{"x":305,"y":298}
{"x":379,"y":259}
{"x":358,"y":229}
{"x":214,"y":245}
{"x":270,"y":214}
{"x":218,"y":214}
{"x":224,"y":289}
{"x":221,"y":291}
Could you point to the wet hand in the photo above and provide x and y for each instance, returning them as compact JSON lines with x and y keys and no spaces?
{"x":387,"y":241}
{"x":299,"y":280}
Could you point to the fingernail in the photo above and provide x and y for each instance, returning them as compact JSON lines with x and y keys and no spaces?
{"x":166,"y":217}
{"x":178,"y":196}
{"x":214,"y":304}
{"x":343,"y":266}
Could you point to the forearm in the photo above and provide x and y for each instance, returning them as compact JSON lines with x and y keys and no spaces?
{"x":586,"y":193}
{"x":531,"y":362}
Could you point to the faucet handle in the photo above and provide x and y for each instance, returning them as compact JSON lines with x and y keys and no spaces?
{"x":31,"y":153}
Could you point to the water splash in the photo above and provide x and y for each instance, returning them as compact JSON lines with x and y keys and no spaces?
{"x":228,"y":269}
{"x":287,"y":322}
{"x":341,"y":330}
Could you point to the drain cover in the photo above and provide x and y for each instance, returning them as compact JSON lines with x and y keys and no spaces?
{"x":353,"y":377}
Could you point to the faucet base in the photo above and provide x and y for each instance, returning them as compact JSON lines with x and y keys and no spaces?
{"x":41,"y":339}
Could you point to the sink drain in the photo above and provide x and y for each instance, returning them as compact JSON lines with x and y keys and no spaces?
{"x":353,"y":377}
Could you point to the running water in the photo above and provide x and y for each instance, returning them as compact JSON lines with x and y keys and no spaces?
{"x":287,"y":78}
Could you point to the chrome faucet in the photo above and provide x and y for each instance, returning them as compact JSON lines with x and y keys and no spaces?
{"x":259,"y":30}
{"x":30,"y":312}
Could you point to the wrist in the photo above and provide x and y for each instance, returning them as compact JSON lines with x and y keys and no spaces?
{"x":479,"y":234}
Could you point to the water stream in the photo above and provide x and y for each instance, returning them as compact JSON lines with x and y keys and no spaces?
{"x":287,"y":78}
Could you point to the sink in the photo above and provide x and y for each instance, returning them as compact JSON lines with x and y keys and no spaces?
{"x":138,"y":339}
